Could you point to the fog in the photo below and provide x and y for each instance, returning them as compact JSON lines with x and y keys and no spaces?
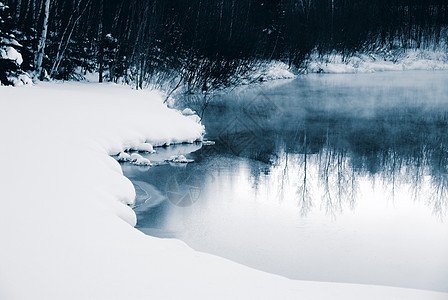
{"x":329,"y":177}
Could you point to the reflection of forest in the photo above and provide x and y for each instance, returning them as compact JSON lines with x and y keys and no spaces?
{"x":404,"y":148}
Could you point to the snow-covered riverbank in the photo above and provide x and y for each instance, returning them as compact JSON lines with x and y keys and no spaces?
{"x":65,"y":227}
{"x":380,"y":61}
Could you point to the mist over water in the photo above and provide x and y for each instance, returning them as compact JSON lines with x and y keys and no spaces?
{"x":327,"y":177}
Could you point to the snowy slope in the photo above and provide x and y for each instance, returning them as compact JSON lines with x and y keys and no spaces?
{"x":65,"y":230}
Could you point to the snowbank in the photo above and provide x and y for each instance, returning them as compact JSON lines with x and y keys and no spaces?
{"x":414,"y":59}
{"x":65,"y":223}
{"x":274,"y":70}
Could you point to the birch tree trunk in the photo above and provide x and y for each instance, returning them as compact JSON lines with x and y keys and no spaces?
{"x":42,"y":41}
{"x":100,"y":43}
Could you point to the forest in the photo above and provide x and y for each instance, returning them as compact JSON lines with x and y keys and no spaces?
{"x":203,"y":45}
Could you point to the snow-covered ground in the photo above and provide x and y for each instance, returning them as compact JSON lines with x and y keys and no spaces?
{"x":66,"y":229}
{"x":412,"y":59}
{"x":272,"y":71}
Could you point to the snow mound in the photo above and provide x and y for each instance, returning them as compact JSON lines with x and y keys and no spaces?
{"x":268,"y":71}
{"x":194,"y":118}
{"x":208,"y":143}
{"x":192,"y":115}
{"x":181,"y":159}
{"x":188,"y":112}
{"x":143,"y":147}
{"x":278,"y":70}
{"x":139,"y":160}
{"x":123,"y":156}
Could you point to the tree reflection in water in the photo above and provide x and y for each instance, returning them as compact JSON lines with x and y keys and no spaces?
{"x":401,"y":149}
{"x":325,"y":135}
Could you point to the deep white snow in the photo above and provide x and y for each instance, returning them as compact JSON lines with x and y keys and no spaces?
{"x":65,"y":225}
{"x":412,"y":59}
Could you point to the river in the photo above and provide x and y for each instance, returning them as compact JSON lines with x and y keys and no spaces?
{"x":340,"y":178}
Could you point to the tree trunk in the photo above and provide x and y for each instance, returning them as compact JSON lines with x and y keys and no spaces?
{"x":61,"y":51}
{"x":42,"y":41}
{"x":231,"y":19}
{"x":18,"y":9}
{"x":100,"y":43}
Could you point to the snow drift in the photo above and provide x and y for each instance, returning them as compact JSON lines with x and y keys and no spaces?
{"x":65,"y":224}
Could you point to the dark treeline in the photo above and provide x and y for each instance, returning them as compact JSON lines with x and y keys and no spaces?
{"x":207,"y":44}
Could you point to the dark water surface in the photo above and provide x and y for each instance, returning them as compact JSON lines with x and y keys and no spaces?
{"x":332,"y":178}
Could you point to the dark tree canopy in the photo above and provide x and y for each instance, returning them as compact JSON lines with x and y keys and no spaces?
{"x":204,"y":41}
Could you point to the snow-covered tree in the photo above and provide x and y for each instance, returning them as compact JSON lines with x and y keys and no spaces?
{"x":10,"y":58}
{"x":108,"y":53}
